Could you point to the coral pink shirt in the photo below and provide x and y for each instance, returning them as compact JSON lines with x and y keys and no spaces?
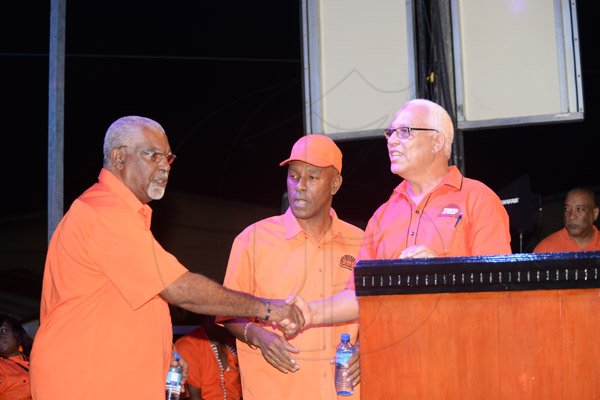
{"x":274,"y":258}
{"x":460,"y":217}
{"x":104,"y":330}
{"x":560,"y":241}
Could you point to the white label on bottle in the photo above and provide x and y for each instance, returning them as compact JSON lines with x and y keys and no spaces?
{"x":342,"y":358}
{"x":174,"y":378}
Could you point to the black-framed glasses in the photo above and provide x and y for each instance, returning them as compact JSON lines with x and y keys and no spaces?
{"x":404,"y":132}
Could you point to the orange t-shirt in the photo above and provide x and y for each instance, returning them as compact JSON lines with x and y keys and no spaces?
{"x":274,"y":258}
{"x":14,"y":379}
{"x":460,"y":217}
{"x":204,"y":368}
{"x":104,"y":330}
{"x":560,"y":241}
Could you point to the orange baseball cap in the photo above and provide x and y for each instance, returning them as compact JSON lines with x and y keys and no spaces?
{"x":318,"y":150}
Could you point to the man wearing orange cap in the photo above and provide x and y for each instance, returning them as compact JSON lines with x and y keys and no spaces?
{"x":309,"y":252}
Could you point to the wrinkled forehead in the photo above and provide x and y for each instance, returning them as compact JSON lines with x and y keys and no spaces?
{"x":153,"y":139}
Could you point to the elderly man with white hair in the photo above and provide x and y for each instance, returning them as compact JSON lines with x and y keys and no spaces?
{"x":434,"y":212}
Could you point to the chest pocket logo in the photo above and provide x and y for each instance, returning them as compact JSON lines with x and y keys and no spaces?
{"x":451,"y":211}
{"x":347,"y":262}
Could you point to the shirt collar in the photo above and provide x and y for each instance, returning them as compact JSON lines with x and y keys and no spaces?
{"x":293,"y":228}
{"x":124,"y":193}
{"x":452,"y":178}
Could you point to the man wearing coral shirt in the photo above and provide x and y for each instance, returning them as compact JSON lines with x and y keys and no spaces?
{"x":307,"y":251}
{"x":105,"y":328}
{"x":579,"y":233}
{"x":434,"y":212}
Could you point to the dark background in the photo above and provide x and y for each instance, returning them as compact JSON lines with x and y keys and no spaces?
{"x":224,"y":80}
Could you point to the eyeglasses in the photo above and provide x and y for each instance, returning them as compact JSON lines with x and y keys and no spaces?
{"x":157,"y":156}
{"x":404,"y":132}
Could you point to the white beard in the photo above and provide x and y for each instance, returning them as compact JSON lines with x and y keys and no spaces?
{"x":156,"y":192}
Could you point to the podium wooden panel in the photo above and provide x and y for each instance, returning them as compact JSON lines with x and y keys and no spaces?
{"x":500,"y":327}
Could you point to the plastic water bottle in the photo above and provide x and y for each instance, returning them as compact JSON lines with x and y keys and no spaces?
{"x":345,"y":350}
{"x":174,"y":380}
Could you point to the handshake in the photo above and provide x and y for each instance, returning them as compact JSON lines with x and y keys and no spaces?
{"x":293,"y":315}
{"x":290,"y":315}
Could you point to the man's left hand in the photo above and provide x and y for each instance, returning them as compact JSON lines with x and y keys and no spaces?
{"x":417,"y":251}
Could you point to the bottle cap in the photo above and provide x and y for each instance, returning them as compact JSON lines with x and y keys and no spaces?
{"x":176,"y":356}
{"x":345,"y":337}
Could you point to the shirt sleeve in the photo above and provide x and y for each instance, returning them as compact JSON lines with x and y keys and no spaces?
{"x":129,"y":255}
{"x":489,"y":230}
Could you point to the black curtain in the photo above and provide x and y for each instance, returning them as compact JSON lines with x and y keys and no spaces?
{"x":435,"y":67}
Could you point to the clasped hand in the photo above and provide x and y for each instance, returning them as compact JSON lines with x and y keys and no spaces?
{"x":290,"y":326}
{"x":290,"y":315}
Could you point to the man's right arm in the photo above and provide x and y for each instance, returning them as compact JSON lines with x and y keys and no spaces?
{"x":342,"y":307}
{"x":197,"y":293}
{"x":275,"y":349}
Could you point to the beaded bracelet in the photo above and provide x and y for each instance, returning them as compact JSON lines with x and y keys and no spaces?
{"x":246,"y":332}
{"x":268,"y":314}
{"x":246,"y":335}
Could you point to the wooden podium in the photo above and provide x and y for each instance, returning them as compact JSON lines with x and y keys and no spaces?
{"x":524,"y":326}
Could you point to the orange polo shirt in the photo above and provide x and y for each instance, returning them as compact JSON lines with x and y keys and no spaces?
{"x":204,"y":369}
{"x":560,"y":241}
{"x":460,"y":217}
{"x":274,"y":258}
{"x":104,"y":332}
{"x":14,"y":379}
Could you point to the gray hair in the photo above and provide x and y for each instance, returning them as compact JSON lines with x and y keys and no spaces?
{"x":124,"y":132}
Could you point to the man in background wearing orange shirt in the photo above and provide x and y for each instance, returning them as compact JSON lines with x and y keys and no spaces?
{"x":213,"y":368}
{"x":307,"y":251}
{"x":105,"y":328}
{"x":579,"y":233}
